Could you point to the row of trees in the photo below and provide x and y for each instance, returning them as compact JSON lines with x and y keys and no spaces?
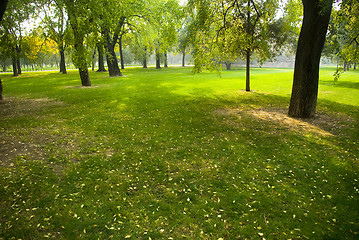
{"x":217,"y":31}
{"x":79,"y":26}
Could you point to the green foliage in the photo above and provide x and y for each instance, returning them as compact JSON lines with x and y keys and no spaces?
{"x":343,"y":39}
{"x":169,"y":154}
{"x":337,"y":74}
{"x":226,"y":30}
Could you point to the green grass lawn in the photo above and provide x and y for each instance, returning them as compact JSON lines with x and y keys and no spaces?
{"x":164,"y":154}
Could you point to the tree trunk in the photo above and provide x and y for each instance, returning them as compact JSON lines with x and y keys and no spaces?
{"x":145,"y":58}
{"x":93,"y":60}
{"x":101,"y":64}
{"x":62,"y":61}
{"x":85,"y":77}
{"x":158,"y":60}
{"x":248,"y":51}
{"x":228,"y":65}
{"x":14,"y":67}
{"x":112,"y":63}
{"x":3,"y":4}
{"x":166,"y":61}
{"x":18,"y":66}
{"x":1,"y":98}
{"x":183,"y":57}
{"x":79,"y":58}
{"x":121,"y":54}
{"x":248,"y":70}
{"x":310,"y":44}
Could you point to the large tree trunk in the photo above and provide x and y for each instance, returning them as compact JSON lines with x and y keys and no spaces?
{"x":3,"y":4}
{"x":101,"y":64}
{"x":112,"y":63}
{"x":85,"y":77}
{"x":62,"y":60}
{"x":310,"y":45}
{"x":121,"y":54}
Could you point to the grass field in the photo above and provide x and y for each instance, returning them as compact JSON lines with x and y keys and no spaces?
{"x":164,"y":154}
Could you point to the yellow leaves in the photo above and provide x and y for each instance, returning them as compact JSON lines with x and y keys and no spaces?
{"x":36,"y":44}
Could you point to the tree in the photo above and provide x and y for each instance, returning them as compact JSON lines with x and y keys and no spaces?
{"x":166,"y":19}
{"x":346,"y":30}
{"x":115,"y":18}
{"x":55,"y":25}
{"x":227,"y":29}
{"x":80,"y":21}
{"x":310,"y":44}
{"x":16,"y":14}
{"x":100,"y":50}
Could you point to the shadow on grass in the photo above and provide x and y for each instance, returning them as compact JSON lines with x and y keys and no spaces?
{"x":341,"y":84}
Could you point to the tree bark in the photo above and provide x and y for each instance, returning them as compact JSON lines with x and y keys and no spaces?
{"x":14,"y":67}
{"x":85,"y":77}
{"x":158,"y":59}
{"x":310,"y":45}
{"x":2,"y":8}
{"x":112,"y":63}
{"x":18,"y":65}
{"x":248,"y":70}
{"x":145,"y":58}
{"x":101,"y":64}
{"x":228,"y":65}
{"x":93,"y":59}
{"x":18,"y":52}
{"x":166,"y":61}
{"x":62,"y":61}
{"x":121,"y":53}
{"x":248,"y":51}
{"x":183,"y":57}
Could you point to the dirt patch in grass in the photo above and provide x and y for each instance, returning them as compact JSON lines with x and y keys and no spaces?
{"x":54,"y":142}
{"x":29,"y":142}
{"x":321,"y":124}
{"x":13,"y":107}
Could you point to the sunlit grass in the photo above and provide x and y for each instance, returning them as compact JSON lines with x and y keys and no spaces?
{"x":164,"y":154}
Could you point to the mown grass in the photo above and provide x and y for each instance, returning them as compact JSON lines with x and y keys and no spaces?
{"x":164,"y":154}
